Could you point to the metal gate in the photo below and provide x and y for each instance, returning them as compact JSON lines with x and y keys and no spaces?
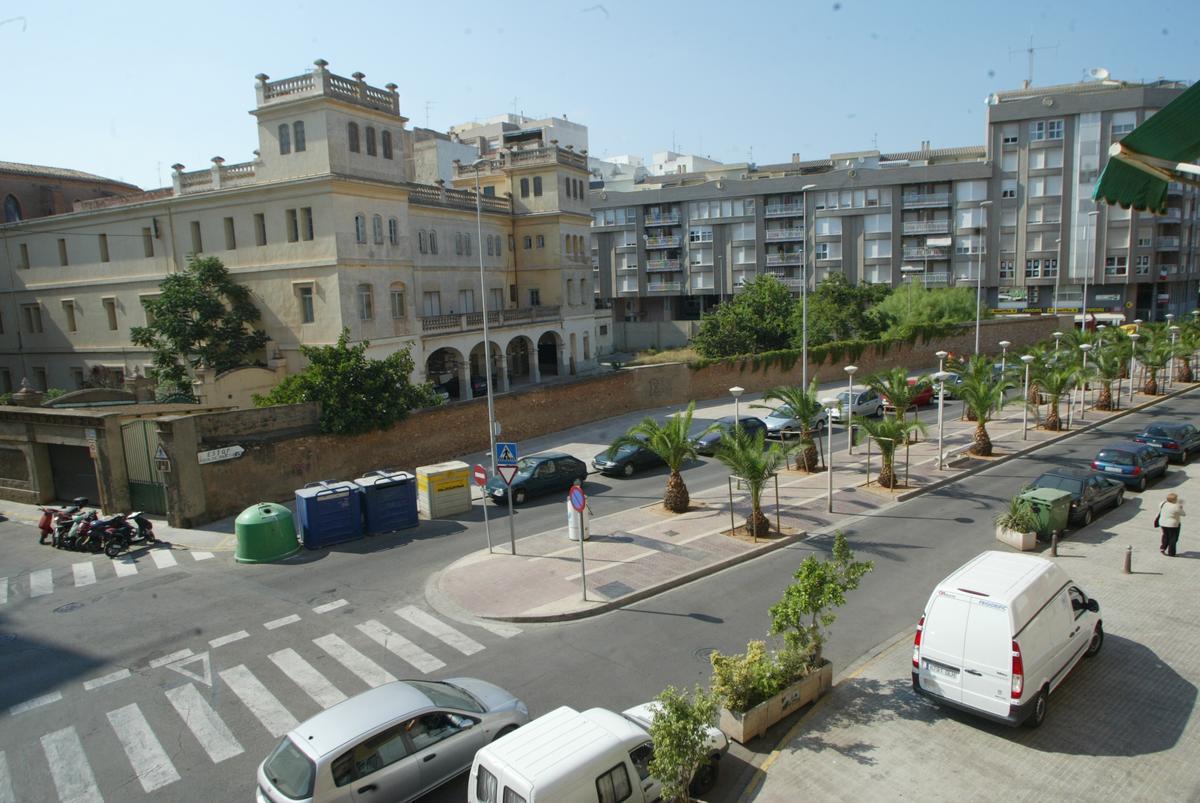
{"x":147,"y":490}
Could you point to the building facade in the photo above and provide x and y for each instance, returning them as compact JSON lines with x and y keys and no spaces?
{"x":1011,"y":212}
{"x":329,"y":231}
{"x":29,"y":191}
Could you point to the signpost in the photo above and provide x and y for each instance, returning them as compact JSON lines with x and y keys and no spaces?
{"x":216,"y":455}
{"x":161,"y":461}
{"x":506,"y":467}
{"x":577,"y":502}
{"x":481,"y":478}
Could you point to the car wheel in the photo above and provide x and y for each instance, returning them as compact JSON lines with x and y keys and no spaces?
{"x":628,"y":470}
{"x":1040,"y":705}
{"x":519,"y":496}
{"x":1120,"y":499}
{"x":1096,"y":642}
{"x":1087,"y":517}
{"x":505,"y":731}
{"x":705,"y":778}
{"x":1141,"y":486}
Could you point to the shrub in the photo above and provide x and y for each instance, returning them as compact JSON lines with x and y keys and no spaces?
{"x":1019,"y":517}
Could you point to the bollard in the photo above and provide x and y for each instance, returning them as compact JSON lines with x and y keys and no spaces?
{"x":1128,"y":560}
{"x":1054,"y":544}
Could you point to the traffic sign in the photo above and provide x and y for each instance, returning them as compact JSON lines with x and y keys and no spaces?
{"x":577,"y":499}
{"x":507,"y":471}
{"x":216,"y":455}
{"x":506,"y":452}
{"x":480,"y":474}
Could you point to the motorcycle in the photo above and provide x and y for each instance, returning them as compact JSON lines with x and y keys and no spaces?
{"x":113,"y":534}
{"x":52,"y":517}
{"x":75,"y":533}
{"x":143,"y":527}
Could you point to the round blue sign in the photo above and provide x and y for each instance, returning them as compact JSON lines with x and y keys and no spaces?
{"x":577,"y":499}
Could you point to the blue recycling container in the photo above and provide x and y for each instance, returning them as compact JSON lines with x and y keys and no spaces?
{"x":389,"y":500}
{"x":329,"y":512}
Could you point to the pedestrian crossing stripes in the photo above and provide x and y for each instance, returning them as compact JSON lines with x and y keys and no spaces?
{"x":69,"y":767}
{"x":221,"y":641}
{"x":213,"y":734}
{"x":310,"y":681}
{"x":163,"y":558}
{"x":124,"y":566}
{"x":170,"y":659}
{"x":36,"y":702}
{"x":41,"y":583}
{"x":436,"y":627}
{"x":3,"y":590}
{"x":85,"y":574}
{"x":104,"y":680}
{"x":400,"y":646}
{"x":367,"y":670}
{"x":6,"y":790}
{"x":277,"y":623}
{"x":330,"y":606}
{"x":146,"y":754}
{"x":254,"y":695}
{"x":202,"y":555}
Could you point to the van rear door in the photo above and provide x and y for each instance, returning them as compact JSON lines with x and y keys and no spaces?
{"x":942,"y":644}
{"x":987,"y":658}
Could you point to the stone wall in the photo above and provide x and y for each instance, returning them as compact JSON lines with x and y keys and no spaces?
{"x":284,"y":451}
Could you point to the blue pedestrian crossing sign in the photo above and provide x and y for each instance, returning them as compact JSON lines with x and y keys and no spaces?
{"x":506,"y":453}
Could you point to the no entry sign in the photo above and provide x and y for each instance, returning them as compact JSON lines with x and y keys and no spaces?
{"x":480,"y":475}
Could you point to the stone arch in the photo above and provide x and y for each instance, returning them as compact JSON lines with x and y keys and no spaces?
{"x":549,"y":347}
{"x":444,"y":368}
{"x":479,"y":368}
{"x":520,"y":356}
{"x":12,"y":209}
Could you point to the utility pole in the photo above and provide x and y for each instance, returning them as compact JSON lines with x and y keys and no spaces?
{"x":1030,"y":51}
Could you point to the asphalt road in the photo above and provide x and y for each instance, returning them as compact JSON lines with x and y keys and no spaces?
{"x":154,"y":650}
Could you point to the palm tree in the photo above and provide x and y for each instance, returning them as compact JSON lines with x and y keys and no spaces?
{"x":743,"y":454}
{"x":1107,"y":363}
{"x":805,"y":406}
{"x":671,"y":441}
{"x":1154,"y":356}
{"x":894,"y":386}
{"x":1042,"y":355}
{"x":1054,"y":379}
{"x":982,"y":394}
{"x":887,"y":434}
{"x":1188,"y":345}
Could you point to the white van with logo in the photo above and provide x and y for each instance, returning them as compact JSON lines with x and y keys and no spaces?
{"x":1000,"y":633}
{"x":568,"y":756}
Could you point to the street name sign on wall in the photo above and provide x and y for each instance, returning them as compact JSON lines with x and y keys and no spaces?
{"x":217,"y":455}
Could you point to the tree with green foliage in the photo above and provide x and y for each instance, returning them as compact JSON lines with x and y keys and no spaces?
{"x":805,"y":406}
{"x":679,"y":732}
{"x":895,"y":387}
{"x":200,"y":317}
{"x":671,"y":441}
{"x":1054,"y":378}
{"x":356,"y":393}
{"x":888,"y":434}
{"x":983,"y":394}
{"x":743,"y":454}
{"x":838,"y":310}
{"x":757,"y":319}
{"x":803,"y":615}
{"x":1154,"y":353}
{"x":913,"y":308}
{"x":1107,"y":363}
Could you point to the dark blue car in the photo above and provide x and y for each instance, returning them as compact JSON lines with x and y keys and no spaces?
{"x":1130,"y":462}
{"x":1180,"y":441}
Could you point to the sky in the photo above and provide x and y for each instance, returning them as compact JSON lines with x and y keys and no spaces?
{"x":125,"y":89}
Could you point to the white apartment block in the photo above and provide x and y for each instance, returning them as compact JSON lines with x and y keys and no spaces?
{"x":329,"y":229}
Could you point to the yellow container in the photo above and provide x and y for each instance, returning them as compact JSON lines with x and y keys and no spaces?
{"x":443,"y":489}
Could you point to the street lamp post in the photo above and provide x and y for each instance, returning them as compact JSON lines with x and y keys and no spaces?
{"x":1087,"y":269}
{"x":979,"y":276}
{"x":1057,"y":337}
{"x":1004,"y":344}
{"x":1085,"y":348}
{"x":829,"y":404}
{"x":1133,"y":339}
{"x":804,"y":286}
{"x":1027,"y":359}
{"x":1057,"y":270}
{"x":736,"y":391}
{"x":941,"y":355}
{"x":940,"y":377}
{"x":1174,"y":330}
{"x":850,"y":369}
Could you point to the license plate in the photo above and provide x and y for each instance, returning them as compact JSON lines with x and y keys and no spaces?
{"x":941,"y":671}
{"x":1113,"y":470}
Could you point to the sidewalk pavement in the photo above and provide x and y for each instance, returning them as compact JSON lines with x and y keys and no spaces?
{"x":1122,"y":726}
{"x":643,"y":551}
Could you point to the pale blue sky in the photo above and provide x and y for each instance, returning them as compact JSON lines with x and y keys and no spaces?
{"x":125,"y":89}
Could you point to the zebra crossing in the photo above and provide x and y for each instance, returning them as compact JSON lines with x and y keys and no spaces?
{"x":238,"y":707}
{"x":42,"y":582}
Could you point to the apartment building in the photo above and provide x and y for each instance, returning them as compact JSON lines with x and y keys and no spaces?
{"x":329,"y":231}
{"x":1010,"y":211}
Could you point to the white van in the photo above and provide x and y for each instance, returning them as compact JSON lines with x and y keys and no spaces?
{"x":568,"y":756}
{"x":1000,"y":633}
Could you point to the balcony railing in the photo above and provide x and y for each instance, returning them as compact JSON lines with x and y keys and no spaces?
{"x":672,"y":241}
{"x":783,"y":259}
{"x":662,"y":220}
{"x":470,"y":321}
{"x":774,"y":235}
{"x":1168,"y":243}
{"x":927,"y":227}
{"x":784,"y":210}
{"x":918,"y":200}
{"x":1172,"y":213}
{"x":627,"y":269}
{"x":793,"y":282}
{"x":626,"y":246}
{"x":664,"y":287}
{"x":1174,"y":188}
{"x":927,"y":252}
{"x":662,"y":264}
{"x":423,"y":195}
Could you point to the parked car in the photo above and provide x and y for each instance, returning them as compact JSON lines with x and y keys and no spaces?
{"x":866,"y":403}
{"x":782,"y":420}
{"x":1132,"y":463}
{"x":707,"y":444}
{"x":1090,"y":491}
{"x":395,"y":742}
{"x":448,"y":390}
{"x":538,"y":474}
{"x":953,"y":380}
{"x":923,"y":396}
{"x":1178,"y":440}
{"x":626,"y":460}
{"x":1000,"y":634}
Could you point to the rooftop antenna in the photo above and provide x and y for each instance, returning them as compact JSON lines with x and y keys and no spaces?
{"x":428,"y":105}
{"x":1029,"y":51}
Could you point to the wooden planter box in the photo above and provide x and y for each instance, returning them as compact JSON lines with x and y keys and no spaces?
{"x":1022,"y":541}
{"x":742,"y":726}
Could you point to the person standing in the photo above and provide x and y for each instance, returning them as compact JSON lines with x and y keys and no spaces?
{"x":1169,"y":514}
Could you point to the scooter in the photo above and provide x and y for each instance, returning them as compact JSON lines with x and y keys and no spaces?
{"x":143,"y":527}
{"x":74,"y":533}
{"x":52,"y":517}
{"x":111,"y":534}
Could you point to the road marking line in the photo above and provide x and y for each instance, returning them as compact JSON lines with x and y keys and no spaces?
{"x":402,"y":647}
{"x":202,"y":555}
{"x":370,"y":672}
{"x":36,"y":702}
{"x":85,"y":574}
{"x":6,"y":790}
{"x":306,"y":676}
{"x":145,"y":752}
{"x":41,"y":583}
{"x":286,"y":620}
{"x":170,"y":659}
{"x":124,"y":566}
{"x":330,"y":606}
{"x":3,"y":590}
{"x":104,"y":680}
{"x":229,"y":639}
{"x":163,"y":558}
{"x":214,"y":736}
{"x":504,"y":631}
{"x":69,"y":766}
{"x":264,"y":705}
{"x":439,"y":629}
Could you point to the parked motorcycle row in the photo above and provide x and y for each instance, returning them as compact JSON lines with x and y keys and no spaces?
{"x":83,"y":530}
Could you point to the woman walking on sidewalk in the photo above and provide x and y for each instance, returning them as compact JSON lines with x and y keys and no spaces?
{"x":1169,"y":514}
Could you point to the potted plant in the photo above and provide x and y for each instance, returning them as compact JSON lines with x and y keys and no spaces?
{"x":679,"y":732}
{"x":760,"y":687}
{"x":1017,"y":526}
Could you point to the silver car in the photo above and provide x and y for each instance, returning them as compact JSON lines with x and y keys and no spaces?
{"x":782,"y":422}
{"x":392,"y":743}
{"x":866,"y":403}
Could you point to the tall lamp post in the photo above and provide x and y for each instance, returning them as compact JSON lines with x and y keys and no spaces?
{"x":850,"y":369}
{"x":1057,"y":337}
{"x":1057,"y":270}
{"x":829,"y":404}
{"x":1133,"y":339}
{"x":1087,"y":268}
{"x":1085,"y":348}
{"x":1174,"y":330}
{"x":1004,"y":344}
{"x":804,"y":286}
{"x":1027,"y":359}
{"x":940,"y":378}
{"x":941,"y":355}
{"x":979,"y":276}
{"x":736,"y":391}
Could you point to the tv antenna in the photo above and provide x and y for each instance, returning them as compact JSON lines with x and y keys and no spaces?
{"x":1029,"y":51}
{"x":429,"y":104}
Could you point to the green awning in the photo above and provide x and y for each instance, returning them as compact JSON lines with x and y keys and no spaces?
{"x":1160,"y":150}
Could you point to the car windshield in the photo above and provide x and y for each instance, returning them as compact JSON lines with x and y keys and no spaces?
{"x":843,"y":397}
{"x":1061,"y":483}
{"x":1117,"y":456}
{"x":443,"y":695}
{"x":526,"y":465}
{"x":782,"y":412}
{"x":290,"y":771}
{"x":626,"y":450}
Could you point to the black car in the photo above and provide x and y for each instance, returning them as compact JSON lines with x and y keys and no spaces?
{"x":626,"y":460}
{"x":540,"y":474}
{"x":449,"y":389}
{"x":707,"y":444}
{"x":1178,"y":440}
{"x":1090,"y":491}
